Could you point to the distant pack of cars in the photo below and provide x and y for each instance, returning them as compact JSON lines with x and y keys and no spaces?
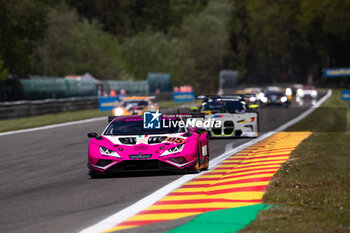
{"x":274,"y":95}
{"x":268,"y":96}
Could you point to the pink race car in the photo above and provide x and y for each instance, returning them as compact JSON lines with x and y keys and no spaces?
{"x":125,"y":145}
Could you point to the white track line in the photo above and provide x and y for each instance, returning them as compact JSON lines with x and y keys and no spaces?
{"x":146,"y":202}
{"x":53,"y":126}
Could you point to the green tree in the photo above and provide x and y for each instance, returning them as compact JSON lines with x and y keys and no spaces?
{"x":126,"y":18}
{"x":181,"y":8}
{"x":297,"y":38}
{"x":325,"y":32}
{"x":74,"y":45}
{"x":206,"y":40}
{"x":4,"y":72}
{"x":23,"y":24}
{"x":273,"y":35}
{"x":153,"y":52}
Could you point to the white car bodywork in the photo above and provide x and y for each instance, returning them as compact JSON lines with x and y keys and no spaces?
{"x":234,"y":125}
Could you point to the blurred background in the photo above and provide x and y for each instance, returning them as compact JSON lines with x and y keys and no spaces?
{"x":75,"y":48}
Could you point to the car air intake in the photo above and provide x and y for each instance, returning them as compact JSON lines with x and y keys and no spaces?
{"x":178,"y":160}
{"x":216,"y":131}
{"x":238,"y":133}
{"x":128,"y":140}
{"x":228,"y":127}
{"x":103,"y":162}
{"x":156,"y":139}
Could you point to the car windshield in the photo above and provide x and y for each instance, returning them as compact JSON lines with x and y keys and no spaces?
{"x":135,"y":103}
{"x":234,"y":106}
{"x":135,"y":127}
{"x":270,"y":93}
{"x":212,"y":106}
{"x":224,"y":106}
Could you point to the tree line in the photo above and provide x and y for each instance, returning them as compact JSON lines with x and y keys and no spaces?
{"x":266,"y":40}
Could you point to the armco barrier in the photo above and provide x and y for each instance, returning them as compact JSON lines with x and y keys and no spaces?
{"x":9,"y":110}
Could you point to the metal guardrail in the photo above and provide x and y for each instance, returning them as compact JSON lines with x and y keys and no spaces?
{"x":24,"y":108}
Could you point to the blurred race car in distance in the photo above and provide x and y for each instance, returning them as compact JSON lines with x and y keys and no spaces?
{"x":251,"y":96}
{"x":274,"y":96}
{"x":295,"y":88}
{"x":126,"y":146}
{"x":134,"y":105}
{"x":252,"y":100}
{"x":238,"y":119}
{"x":307,"y":91}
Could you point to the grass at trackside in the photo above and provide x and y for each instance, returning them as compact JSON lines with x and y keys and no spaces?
{"x":56,"y":118}
{"x":49,"y":119}
{"x":172,"y":104}
{"x":312,"y":190}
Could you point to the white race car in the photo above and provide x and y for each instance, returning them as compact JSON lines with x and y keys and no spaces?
{"x":237,"y":119}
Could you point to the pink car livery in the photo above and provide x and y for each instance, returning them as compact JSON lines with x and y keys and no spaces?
{"x":125,"y":145}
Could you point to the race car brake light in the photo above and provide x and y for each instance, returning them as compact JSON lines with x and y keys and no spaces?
{"x":252,"y":119}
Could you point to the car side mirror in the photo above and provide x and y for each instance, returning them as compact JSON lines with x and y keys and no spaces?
{"x":92,"y":135}
{"x":200,"y":131}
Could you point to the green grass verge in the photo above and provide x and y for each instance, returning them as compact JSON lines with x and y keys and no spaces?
{"x":56,"y":118}
{"x":49,"y":119}
{"x":312,"y":190}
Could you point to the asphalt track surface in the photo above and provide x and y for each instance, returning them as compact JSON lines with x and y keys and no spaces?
{"x":45,"y":187}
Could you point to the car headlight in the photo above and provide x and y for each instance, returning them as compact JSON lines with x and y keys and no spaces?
{"x":289,"y":91}
{"x":108,"y":152}
{"x":261,"y":95}
{"x":118,"y":112}
{"x":314,"y":93}
{"x":174,"y":149}
{"x":300,"y":92}
{"x":252,"y":99}
{"x":284,"y":99}
{"x":264,"y":99}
